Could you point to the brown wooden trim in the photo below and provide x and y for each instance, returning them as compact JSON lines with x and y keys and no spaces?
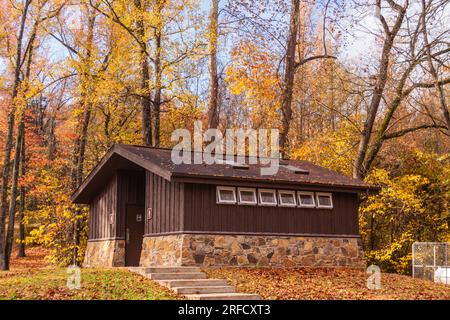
{"x":268,"y":234}
{"x":93,"y":173}
{"x":146,"y":164}
{"x":106,"y":239}
{"x":265,"y":183}
{"x":117,"y":149}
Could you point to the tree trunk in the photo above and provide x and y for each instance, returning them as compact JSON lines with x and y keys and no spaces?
{"x":145,"y":77}
{"x":20,"y":152}
{"x":366,"y":133}
{"x":372,"y":233}
{"x":21,"y":249}
{"x":82,"y":139}
{"x":372,"y":152}
{"x":289,"y":75}
{"x":13,"y":199}
{"x":51,"y":142}
{"x":213,"y":110}
{"x":434,"y":74}
{"x":79,"y":179}
{"x":9,"y":138}
{"x":157,"y":100}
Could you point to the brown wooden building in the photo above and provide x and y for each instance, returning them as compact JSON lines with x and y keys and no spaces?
{"x":145,"y":210}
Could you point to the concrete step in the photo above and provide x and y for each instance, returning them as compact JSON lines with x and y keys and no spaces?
{"x":223,"y":296}
{"x":172,"y":269}
{"x":202,"y":290}
{"x":194,"y":283}
{"x":177,"y":276}
{"x":138,"y":270}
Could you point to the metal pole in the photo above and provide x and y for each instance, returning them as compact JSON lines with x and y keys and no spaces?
{"x":434,"y":260}
{"x":446,"y":254}
{"x":446,"y":263}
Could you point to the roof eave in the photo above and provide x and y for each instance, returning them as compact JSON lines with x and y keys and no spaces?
{"x":117,"y":149}
{"x":207,"y":178}
{"x":91,"y":175}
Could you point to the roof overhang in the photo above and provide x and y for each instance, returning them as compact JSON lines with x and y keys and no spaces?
{"x":265,"y":183}
{"x":115,"y":159}
{"x":118,"y":158}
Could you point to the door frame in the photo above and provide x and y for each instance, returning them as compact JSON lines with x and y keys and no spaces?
{"x":127,"y":233}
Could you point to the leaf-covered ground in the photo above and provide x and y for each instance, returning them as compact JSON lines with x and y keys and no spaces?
{"x":31,"y":278}
{"x":327,"y":284}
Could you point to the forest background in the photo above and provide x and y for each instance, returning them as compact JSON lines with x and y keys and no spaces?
{"x":358,"y":87}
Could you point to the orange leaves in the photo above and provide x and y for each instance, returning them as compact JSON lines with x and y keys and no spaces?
{"x":253,"y":74}
{"x":326,"y":284}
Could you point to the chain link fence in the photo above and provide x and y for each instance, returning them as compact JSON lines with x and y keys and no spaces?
{"x":431,"y":261}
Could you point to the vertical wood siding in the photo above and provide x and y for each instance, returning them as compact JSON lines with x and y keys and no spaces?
{"x":166,"y":199}
{"x":202,"y":213}
{"x":125,"y":187}
{"x":104,"y":204}
{"x":180,"y":206}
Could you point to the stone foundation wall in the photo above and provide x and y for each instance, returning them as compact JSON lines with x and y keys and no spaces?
{"x":105,"y":253}
{"x":161,"y":251}
{"x":246,"y":250}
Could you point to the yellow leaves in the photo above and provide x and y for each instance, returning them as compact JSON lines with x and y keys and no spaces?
{"x":334,"y":150}
{"x":410,"y":207}
{"x":27,"y":90}
{"x":182,"y":116}
{"x":253,"y":74}
{"x":402,"y":194}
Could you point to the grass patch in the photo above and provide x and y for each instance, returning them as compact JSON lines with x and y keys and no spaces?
{"x":98,"y":284}
{"x":33,"y":278}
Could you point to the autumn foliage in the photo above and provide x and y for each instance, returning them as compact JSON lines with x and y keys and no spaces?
{"x":367,"y":97}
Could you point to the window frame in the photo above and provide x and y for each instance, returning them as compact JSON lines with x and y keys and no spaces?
{"x":221,"y":201}
{"x":266,"y":204}
{"x":248,"y":203}
{"x":329,"y":194}
{"x":299,"y":200}
{"x":293,"y":193}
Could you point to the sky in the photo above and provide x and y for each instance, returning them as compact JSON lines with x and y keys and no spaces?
{"x":360,"y":45}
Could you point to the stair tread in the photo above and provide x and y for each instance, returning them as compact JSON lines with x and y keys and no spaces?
{"x":204,"y":287}
{"x":178,"y":276}
{"x":192,"y":284}
{"x":202,"y":280}
{"x":223,"y":295}
{"x":172,"y":269}
{"x":178,"y":273}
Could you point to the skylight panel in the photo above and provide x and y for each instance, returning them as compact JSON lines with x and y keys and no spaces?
{"x":295,"y":169}
{"x":234,"y":164}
